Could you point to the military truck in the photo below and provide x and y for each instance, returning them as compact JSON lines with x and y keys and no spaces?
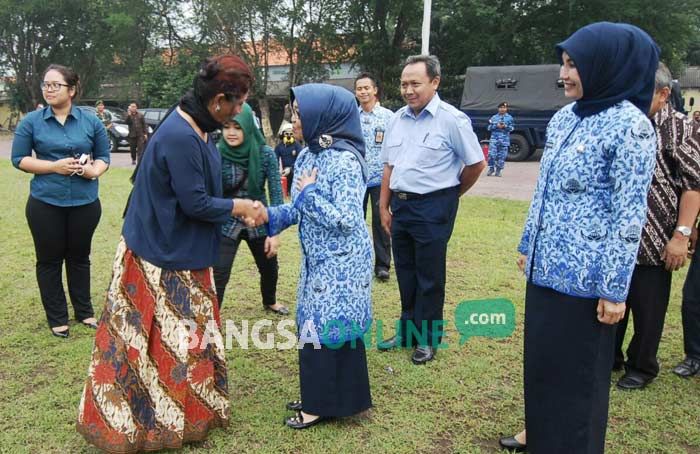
{"x":533,"y":93}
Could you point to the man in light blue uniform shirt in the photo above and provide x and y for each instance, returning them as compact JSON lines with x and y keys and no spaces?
{"x":373,"y":119}
{"x":431,"y":157}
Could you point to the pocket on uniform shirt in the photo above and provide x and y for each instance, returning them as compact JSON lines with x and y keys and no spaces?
{"x":431,"y":152}
{"x":393,"y":148}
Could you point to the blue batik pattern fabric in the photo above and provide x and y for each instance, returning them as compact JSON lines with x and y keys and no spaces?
{"x":586,"y":217}
{"x":373,"y":128}
{"x":500,"y":139}
{"x":334,"y":291}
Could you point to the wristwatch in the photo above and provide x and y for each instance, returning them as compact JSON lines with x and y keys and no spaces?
{"x":685,"y":231}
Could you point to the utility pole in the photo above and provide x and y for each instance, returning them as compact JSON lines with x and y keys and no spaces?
{"x":425,"y":37}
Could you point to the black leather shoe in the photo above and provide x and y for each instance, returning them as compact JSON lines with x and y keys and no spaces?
{"x":383,"y":275}
{"x":62,"y":334}
{"x":297,"y":422}
{"x":281,"y":311}
{"x":390,"y":344}
{"x":512,"y":445}
{"x":632,"y":381}
{"x":688,"y":368}
{"x":423,"y":354}
{"x":294,"y":405}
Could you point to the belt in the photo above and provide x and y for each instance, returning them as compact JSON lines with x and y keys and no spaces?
{"x":413,"y":195}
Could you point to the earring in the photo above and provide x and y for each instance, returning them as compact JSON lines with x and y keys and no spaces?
{"x":218,"y":107}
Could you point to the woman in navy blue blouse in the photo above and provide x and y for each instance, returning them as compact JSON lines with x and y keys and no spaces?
{"x":147,"y":387}
{"x":72,"y":151}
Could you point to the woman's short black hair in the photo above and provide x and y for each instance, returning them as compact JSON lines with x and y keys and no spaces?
{"x":71,"y":77}
{"x":227,"y":74}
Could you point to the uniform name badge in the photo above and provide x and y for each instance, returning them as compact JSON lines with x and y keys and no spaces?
{"x":378,"y":136}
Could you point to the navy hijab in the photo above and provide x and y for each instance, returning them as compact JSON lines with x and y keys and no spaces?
{"x":330,"y":112}
{"x":615,"y":62}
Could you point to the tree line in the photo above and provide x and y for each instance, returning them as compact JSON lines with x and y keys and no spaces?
{"x":156,"y":45}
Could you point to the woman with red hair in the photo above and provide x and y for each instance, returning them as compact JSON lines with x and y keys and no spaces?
{"x":148,"y":386}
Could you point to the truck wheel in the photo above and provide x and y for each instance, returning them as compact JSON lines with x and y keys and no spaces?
{"x":113,"y":143}
{"x":519,"y":148}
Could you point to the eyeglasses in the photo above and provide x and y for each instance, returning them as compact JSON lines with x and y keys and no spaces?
{"x":52,"y":86}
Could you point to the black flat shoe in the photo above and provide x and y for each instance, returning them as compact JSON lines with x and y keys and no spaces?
{"x":631,"y":382}
{"x":92,"y":325}
{"x":62,"y":334}
{"x":512,"y":445}
{"x":281,"y":311}
{"x":390,"y":344}
{"x":297,"y":422}
{"x":294,"y":405}
{"x":688,"y":368}
{"x":382,"y":275}
{"x":423,"y":354}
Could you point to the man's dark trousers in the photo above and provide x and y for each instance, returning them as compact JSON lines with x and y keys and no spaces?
{"x":382,"y":241}
{"x":691,"y":309}
{"x":650,"y":290}
{"x":420,"y":229}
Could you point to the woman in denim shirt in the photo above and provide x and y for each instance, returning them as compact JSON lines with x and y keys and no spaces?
{"x":335,"y":283}
{"x":582,"y":233}
{"x":72,"y":151}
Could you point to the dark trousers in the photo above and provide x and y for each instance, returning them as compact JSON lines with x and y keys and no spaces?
{"x":648,"y":297}
{"x":63,"y":234}
{"x":382,"y":241}
{"x":691,"y":309}
{"x":267,"y":267}
{"x":136,"y":147}
{"x":420,"y":230}
{"x":290,"y":181}
{"x":567,"y":366}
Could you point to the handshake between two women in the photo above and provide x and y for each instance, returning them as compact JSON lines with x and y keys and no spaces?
{"x":252,"y":212}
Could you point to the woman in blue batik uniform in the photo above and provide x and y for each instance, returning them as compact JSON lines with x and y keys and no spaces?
{"x":334,"y":292}
{"x":583,"y":229}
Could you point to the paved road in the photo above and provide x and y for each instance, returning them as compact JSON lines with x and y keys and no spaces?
{"x":517,"y":183}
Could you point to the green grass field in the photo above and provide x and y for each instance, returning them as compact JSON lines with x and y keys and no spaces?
{"x":460,"y":403}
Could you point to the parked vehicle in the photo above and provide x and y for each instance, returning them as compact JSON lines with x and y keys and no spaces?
{"x":533,"y":92}
{"x":153,"y":116}
{"x":119,"y":131}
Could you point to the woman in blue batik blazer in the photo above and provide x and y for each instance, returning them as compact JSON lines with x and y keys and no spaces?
{"x":582,"y":234}
{"x":334,"y":291}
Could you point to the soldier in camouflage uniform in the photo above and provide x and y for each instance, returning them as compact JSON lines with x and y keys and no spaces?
{"x":500,"y":126}
{"x":104,"y":116}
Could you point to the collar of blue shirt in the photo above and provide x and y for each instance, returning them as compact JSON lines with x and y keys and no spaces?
{"x":75,"y":112}
{"x":374,"y":110}
{"x":431,"y":108}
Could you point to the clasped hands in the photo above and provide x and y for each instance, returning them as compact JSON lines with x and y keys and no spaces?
{"x":75,"y":167}
{"x":252,"y":212}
